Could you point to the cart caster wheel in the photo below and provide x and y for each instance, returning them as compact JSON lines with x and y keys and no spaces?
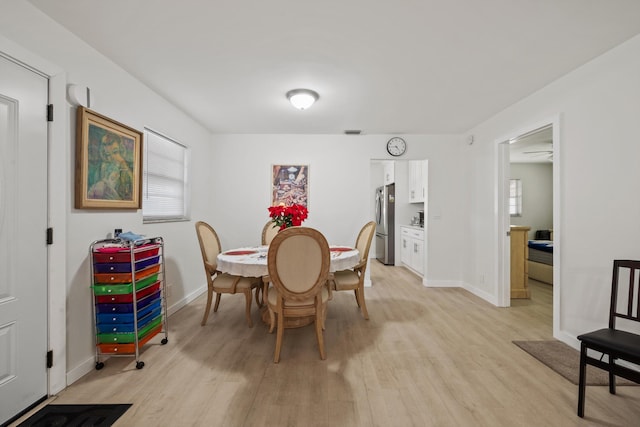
{"x":139,"y":365}
{"x":164,"y":341}
{"x":99,"y":365}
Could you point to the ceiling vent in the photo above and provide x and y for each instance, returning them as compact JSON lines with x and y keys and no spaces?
{"x":352,"y":132}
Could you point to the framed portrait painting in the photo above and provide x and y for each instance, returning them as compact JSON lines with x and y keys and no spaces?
{"x":108,"y":163}
{"x":290,"y":185}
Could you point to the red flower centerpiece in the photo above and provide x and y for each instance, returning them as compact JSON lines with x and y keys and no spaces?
{"x":288,"y":216}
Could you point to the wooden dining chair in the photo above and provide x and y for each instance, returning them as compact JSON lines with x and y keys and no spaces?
{"x":347,"y":280}
{"x":269,"y":231}
{"x":298,"y":261}
{"x":218,"y":282}
{"x":614,"y":341}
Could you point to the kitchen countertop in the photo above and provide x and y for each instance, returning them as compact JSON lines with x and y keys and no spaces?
{"x":416,"y":227}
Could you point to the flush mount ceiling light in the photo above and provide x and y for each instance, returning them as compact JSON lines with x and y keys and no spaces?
{"x":302,"y":98}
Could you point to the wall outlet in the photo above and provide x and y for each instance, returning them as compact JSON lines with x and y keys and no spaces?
{"x":169,"y":289}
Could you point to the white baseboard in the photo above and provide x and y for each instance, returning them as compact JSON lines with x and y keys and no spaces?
{"x":186,"y":300}
{"x":569,"y":340}
{"x":81,"y":370}
{"x":429,"y":283}
{"x":492,"y":299}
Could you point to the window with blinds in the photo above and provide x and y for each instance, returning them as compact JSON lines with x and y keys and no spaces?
{"x":165,"y":184}
{"x":515,"y":197}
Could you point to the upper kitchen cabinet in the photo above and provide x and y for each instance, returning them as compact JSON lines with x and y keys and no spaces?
{"x":418,"y":180}
{"x":389,"y":172}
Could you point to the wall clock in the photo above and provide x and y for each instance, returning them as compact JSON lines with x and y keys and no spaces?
{"x":396,"y":146}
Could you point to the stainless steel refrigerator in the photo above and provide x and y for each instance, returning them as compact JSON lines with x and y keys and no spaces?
{"x":385,"y":224}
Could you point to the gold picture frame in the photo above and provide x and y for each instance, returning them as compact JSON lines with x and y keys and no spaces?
{"x":108,"y":173}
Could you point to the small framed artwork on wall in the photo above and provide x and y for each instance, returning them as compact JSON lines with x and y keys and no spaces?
{"x":290,"y":185}
{"x":108,"y":163}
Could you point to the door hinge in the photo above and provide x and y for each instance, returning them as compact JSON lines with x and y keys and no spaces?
{"x":49,"y":359}
{"x":50,"y":112}
{"x":50,"y":236}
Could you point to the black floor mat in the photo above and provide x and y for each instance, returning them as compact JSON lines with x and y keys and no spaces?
{"x":76,"y":416}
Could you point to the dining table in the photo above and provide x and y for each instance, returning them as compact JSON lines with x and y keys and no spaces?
{"x":251,"y":261}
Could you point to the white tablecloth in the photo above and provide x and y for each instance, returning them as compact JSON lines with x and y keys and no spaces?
{"x":254,"y":264}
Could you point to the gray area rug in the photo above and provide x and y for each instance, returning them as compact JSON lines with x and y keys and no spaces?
{"x":565,"y":360}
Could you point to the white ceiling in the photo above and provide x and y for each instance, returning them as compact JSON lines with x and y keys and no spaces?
{"x":407,"y":66}
{"x":533,"y":147}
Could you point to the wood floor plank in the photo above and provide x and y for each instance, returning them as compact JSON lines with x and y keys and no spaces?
{"x":426,"y":357}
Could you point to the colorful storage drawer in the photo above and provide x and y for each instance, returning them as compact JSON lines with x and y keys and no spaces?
{"x":110,"y":318}
{"x":127,"y":337}
{"x":126,"y":308}
{"x":128,"y":284}
{"x":105,"y":278}
{"x":121,"y":289}
{"x":127,"y":297}
{"x":127,"y":348}
{"x":111,"y":254}
{"x":124,"y":267}
{"x":128,"y":327}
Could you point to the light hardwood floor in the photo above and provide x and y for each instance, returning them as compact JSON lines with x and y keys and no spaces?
{"x":427,"y":357}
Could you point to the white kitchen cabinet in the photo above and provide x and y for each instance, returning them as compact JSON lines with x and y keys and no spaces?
{"x":418,"y":253}
{"x":412,"y":248}
{"x":389,"y":173}
{"x":405,"y":246}
{"x":418,"y":177}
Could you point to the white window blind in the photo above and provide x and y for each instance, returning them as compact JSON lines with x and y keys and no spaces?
{"x":515,"y":197}
{"x":165,"y":184}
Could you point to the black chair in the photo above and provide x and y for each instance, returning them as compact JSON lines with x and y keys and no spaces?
{"x":543,"y":234}
{"x":615,"y":343}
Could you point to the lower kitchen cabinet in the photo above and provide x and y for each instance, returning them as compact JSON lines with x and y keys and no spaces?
{"x":412,"y":248}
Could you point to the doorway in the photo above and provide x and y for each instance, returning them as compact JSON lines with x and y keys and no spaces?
{"x":537,"y":144}
{"x":410,"y":178}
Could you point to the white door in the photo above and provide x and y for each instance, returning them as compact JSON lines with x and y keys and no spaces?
{"x":23,"y":248}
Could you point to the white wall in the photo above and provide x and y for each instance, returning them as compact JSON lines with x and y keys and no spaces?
{"x":537,"y":195}
{"x":341,"y":200}
{"x":34,"y":38}
{"x":598,"y":108}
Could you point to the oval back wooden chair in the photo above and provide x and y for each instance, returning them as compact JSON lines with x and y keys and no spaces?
{"x":347,"y":280}
{"x":298,"y":261}
{"x":269,"y":231}
{"x":218,"y":282}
